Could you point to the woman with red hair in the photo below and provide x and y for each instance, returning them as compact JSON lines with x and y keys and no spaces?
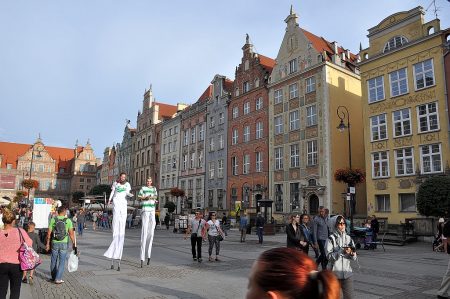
{"x":286,"y":273}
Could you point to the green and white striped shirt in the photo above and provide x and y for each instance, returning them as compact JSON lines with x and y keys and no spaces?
{"x":148,"y":192}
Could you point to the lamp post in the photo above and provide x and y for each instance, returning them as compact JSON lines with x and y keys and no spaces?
{"x":342,"y":113}
{"x":31,"y":169}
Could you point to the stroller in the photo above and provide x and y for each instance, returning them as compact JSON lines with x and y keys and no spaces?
{"x":438,"y":246}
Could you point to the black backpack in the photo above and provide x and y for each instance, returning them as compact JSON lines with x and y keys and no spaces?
{"x":59,"y":230}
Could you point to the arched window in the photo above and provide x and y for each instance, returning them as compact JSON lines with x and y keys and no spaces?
{"x":430,"y":30}
{"x":395,"y":42}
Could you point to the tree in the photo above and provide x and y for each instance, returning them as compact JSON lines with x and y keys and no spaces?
{"x":433,"y":197}
{"x":77,"y":195}
{"x":100,"y":189}
{"x":170,"y":206}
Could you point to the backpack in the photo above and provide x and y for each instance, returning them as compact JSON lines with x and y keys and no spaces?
{"x":59,"y":231}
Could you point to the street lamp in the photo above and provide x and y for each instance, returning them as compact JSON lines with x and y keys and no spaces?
{"x":31,"y":169}
{"x":342,"y":113}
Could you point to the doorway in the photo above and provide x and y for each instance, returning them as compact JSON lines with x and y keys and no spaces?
{"x":313,"y":204}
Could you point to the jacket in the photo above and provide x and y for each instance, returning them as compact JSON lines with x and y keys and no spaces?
{"x":338,"y":260}
{"x":320,"y":228}
{"x":294,"y":237}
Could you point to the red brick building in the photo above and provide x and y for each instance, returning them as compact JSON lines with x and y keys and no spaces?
{"x":248,"y":128}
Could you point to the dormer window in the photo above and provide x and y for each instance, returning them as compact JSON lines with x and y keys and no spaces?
{"x":395,"y":42}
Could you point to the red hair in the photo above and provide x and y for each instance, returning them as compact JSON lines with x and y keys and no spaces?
{"x":294,"y":274}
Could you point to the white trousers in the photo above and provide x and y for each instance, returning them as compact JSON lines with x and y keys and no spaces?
{"x":147,"y":233}
{"x":118,"y":227}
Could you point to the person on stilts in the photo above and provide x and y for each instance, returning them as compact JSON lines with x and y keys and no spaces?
{"x":147,"y":195}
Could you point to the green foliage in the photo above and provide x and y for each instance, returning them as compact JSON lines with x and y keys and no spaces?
{"x":30,"y":184}
{"x":177,"y":192}
{"x":100,"y":189}
{"x":77,"y":195}
{"x":170,"y":206}
{"x":433,"y":197}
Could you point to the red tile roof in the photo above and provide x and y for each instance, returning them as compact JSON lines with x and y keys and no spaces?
{"x":228,"y":85}
{"x":206,"y":94}
{"x":266,"y":62}
{"x":166,"y":110}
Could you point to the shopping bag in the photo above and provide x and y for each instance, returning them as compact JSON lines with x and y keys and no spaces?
{"x":72,"y":264}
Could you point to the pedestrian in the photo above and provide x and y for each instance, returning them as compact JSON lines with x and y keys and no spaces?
{"x":59,"y":231}
{"x":243,"y":222}
{"x":36,"y":245}
{"x":129,"y":219}
{"x":286,"y":273}
{"x":196,"y":229}
{"x":147,"y":195}
{"x":224,"y":223}
{"x":295,"y":237}
{"x":119,"y":192}
{"x":10,"y":242}
{"x":81,"y":219}
{"x":445,"y":285}
{"x":320,"y":233}
{"x":214,"y":231}
{"x":304,"y":220}
{"x":94,"y":220}
{"x":340,"y":250}
{"x":260,"y":227}
{"x":440,"y":229}
{"x":1,"y":216}
{"x":167,"y":220}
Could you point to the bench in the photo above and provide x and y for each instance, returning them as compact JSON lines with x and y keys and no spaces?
{"x":379,"y":242}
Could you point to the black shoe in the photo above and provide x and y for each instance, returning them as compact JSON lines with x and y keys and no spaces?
{"x":148,"y":261}
{"x":118,"y":268}
{"x":142,"y":262}
{"x":199,"y":260}
{"x":24,"y":280}
{"x":194,"y":258}
{"x":442,"y":297}
{"x":112,"y":267}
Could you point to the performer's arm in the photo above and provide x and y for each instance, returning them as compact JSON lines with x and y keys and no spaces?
{"x":129,"y":194}
{"x":141,"y":195}
{"x":113,"y":190}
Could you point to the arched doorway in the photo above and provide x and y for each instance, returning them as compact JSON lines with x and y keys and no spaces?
{"x":313,"y":204}
{"x":258,"y":197}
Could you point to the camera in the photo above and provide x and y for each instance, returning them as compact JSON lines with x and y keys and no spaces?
{"x":352,"y":248}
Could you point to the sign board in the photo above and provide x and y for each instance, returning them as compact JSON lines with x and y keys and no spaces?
{"x":7,"y":181}
{"x":349,"y":196}
{"x":352,"y":190}
{"x":42,"y":209}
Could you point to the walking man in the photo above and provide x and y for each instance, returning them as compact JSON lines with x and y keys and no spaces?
{"x":260,"y":227}
{"x":320,"y":233}
{"x":147,"y":195}
{"x":197,"y":230}
{"x":243,"y":226}
{"x":59,"y":232}
{"x":444,"y":290}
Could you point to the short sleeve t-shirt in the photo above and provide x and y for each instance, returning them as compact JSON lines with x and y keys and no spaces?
{"x":213,"y":227}
{"x":69,"y":225}
{"x":197,"y":226}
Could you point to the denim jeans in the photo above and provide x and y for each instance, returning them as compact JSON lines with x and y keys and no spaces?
{"x":58,"y":260}
{"x":260,"y":232}
{"x":80,"y":228}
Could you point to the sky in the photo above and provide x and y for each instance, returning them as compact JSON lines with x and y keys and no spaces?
{"x":76,"y":70}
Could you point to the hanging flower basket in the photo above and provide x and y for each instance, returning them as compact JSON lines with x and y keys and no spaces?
{"x":30,"y":184}
{"x":177,"y":192}
{"x":350,"y":176}
{"x":21,"y":194}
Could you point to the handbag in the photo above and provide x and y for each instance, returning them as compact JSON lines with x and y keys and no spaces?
{"x":28,"y":258}
{"x":219,"y":236}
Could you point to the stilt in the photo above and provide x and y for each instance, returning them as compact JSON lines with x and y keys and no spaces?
{"x":148,"y":261}
{"x":142,"y":262}
{"x":118,"y":267}
{"x":112,"y":264}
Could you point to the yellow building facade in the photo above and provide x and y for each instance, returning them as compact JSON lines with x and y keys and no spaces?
{"x":405,"y":112}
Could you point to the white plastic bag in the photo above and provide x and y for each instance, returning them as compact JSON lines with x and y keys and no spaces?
{"x":73,"y":262}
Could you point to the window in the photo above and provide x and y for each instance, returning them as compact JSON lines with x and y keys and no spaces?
{"x":293,"y":66}
{"x":428,"y":117}
{"x":380,"y":165}
{"x":235,"y":112}
{"x":246,"y":107}
{"x":211,"y":122}
{"x":259,"y":103}
{"x":279,"y":197}
{"x":211,"y":144}
{"x":211,"y":170}
{"x":278,"y":96}
{"x":221,"y":141}
{"x":278,"y":158}
{"x":310,"y":84}
{"x":378,"y":127}
{"x":175,"y":130}
{"x":200,"y":159}
{"x":246,"y":87}
{"x":402,"y":122}
{"x":294,"y":194}
{"x":293,"y":91}
{"x":312,"y":153}
{"x":234,"y":137}
{"x":220,"y":168}
{"x":256,"y":82}
{"x":234,"y":166}
{"x":246,"y":164}
{"x":430,"y":158}
{"x":221,"y":118}
{"x":193,"y":135}
{"x":404,"y":161}
{"x":184,"y":162}
{"x":201,"y":134}
{"x":246,"y":133}
{"x":383,"y":203}
{"x":258,"y":161}
{"x":295,"y":155}
{"x":395,"y":42}
{"x":163,"y":166}
{"x":192,"y":163}
{"x":185,"y":137}
{"x":278,"y":124}
{"x":294,"y":120}
{"x":376,"y":89}
{"x":259,"y":130}
{"x":311,"y":116}
{"x":399,"y":82}
{"x":407,"y":202}
{"x":424,"y":74}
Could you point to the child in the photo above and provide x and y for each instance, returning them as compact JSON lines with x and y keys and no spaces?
{"x":36,"y":244}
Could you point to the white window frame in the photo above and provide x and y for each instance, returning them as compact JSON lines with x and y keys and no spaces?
{"x":193,"y":131}
{"x":428,"y":115}
{"x":211,"y":170}
{"x":186,"y":137}
{"x":383,"y":163}
{"x":377,"y":86}
{"x":311,"y":115}
{"x":259,"y":130}
{"x":246,"y":107}
{"x":293,"y":91}
{"x":295,"y":155}
{"x":379,"y":127}
{"x":245,"y":87}
{"x":402,"y":77}
{"x":211,"y":122}
{"x":402,"y":121}
{"x":211,"y":144}
{"x":221,"y":143}
{"x":293,"y":66}
{"x":395,"y":42}
{"x":310,"y":84}
{"x":246,"y":164}
{"x":259,"y":103}
{"x":400,"y":203}
{"x":220,"y":168}
{"x":234,"y":166}
{"x":278,"y":121}
{"x":294,"y":120}
{"x":221,"y":118}
{"x":258,"y":161}
{"x":200,"y":159}
{"x":278,"y":96}
{"x":235,"y":111}
{"x":422,"y":73}
{"x":386,"y":199}
{"x":201,"y":133}
{"x":402,"y":157}
{"x":278,"y":158}
{"x":192,"y":161}
{"x":246,"y":134}
{"x":312,"y":153}
{"x":234,"y":137}
{"x":185,"y":158}
{"x":431,"y":156}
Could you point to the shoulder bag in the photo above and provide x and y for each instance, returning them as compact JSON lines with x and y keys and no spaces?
{"x":28,"y":258}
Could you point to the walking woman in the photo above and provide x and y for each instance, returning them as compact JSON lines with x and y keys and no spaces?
{"x":304,"y":226}
{"x":295,"y":237}
{"x":214,"y":230}
{"x":340,"y":249}
{"x":10,"y":242}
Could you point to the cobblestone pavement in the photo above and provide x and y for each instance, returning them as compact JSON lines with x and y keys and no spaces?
{"x":412,"y":271}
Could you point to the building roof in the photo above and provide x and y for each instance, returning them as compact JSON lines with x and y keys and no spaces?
{"x":228,"y":85}
{"x":166,"y":110}
{"x":266,"y":62}
{"x":206,"y":94}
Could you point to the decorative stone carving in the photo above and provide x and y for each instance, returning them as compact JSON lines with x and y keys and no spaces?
{"x":405,"y":184}
{"x":408,"y":100}
{"x":381,"y":185}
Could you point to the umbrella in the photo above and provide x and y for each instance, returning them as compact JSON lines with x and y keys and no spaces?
{"x":4,"y":201}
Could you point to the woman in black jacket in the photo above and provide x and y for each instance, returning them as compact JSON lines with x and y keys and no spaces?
{"x":295,"y":236}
